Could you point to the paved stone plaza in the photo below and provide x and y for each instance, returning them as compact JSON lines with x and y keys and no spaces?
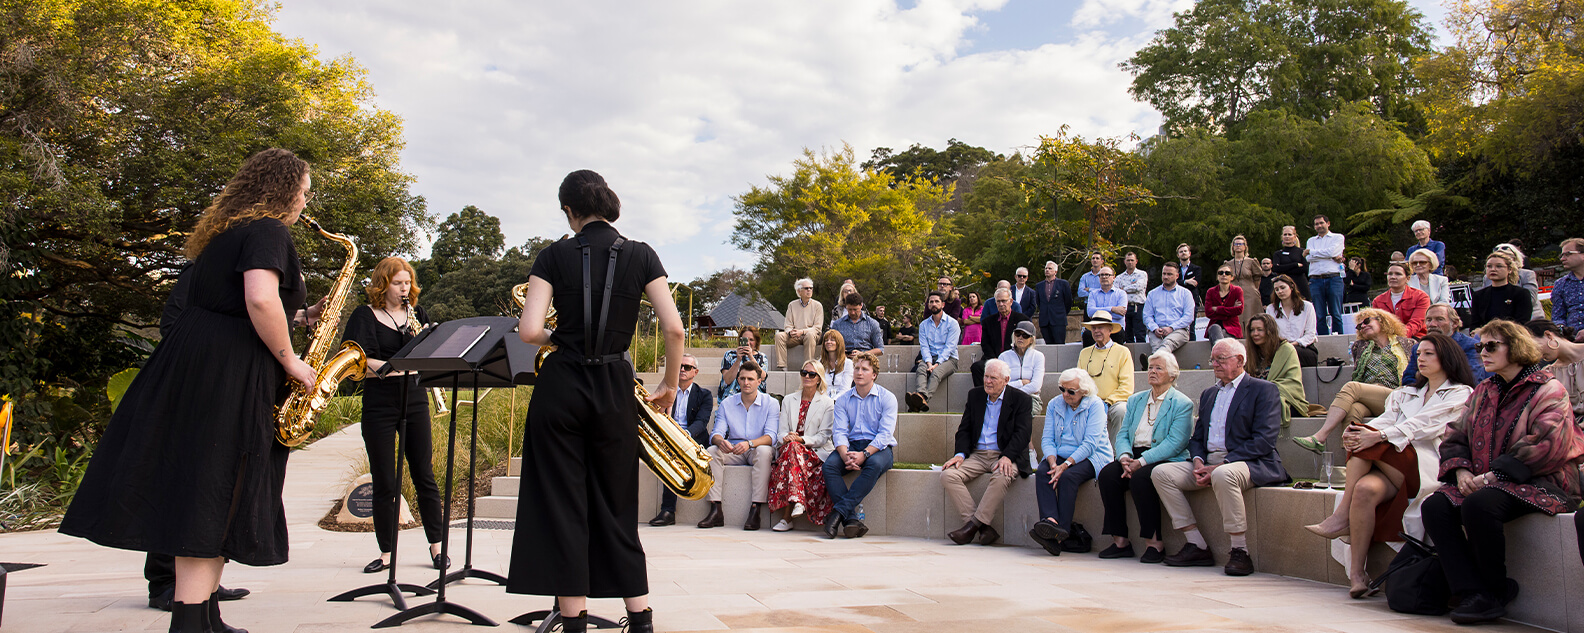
{"x":701,"y":580}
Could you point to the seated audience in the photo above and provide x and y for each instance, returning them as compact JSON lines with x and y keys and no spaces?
{"x":1397,"y":257}
{"x":693,"y":410}
{"x":860,"y":331}
{"x":1272,"y":359}
{"x":1566,"y":360}
{"x":797,"y":483}
{"x":1407,"y":304}
{"x":1357,"y":279}
{"x":1393,"y":460}
{"x":972,"y":310}
{"x":1075,"y":446}
{"x":1515,"y":451}
{"x":864,"y":431}
{"x":1422,"y":242}
{"x":1106,"y":298}
{"x":1135,"y":282}
{"x":1233,"y":448}
{"x":1502,"y":298}
{"x":1380,"y":355}
{"x":838,"y":368}
{"x":1054,"y":299}
{"x":992,"y":439}
{"x":1295,"y":320}
{"x":1442,"y":318}
{"x":1422,"y":262}
{"x":1224,"y":307}
{"x":1156,"y":432}
{"x":734,"y":359}
{"x":805,"y":319}
{"x":744,"y":433}
{"x":1110,"y":364}
{"x":937,"y":359}
{"x":1168,"y":312}
{"x":998,"y":327}
{"x":1526,"y":277}
{"x":1026,"y":364}
{"x":1567,"y":293}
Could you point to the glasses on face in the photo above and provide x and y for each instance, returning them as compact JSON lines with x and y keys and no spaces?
{"x":1419,"y":262}
{"x":1071,"y":392}
{"x":808,"y":374}
{"x":1106,"y":275}
{"x":1026,"y":276}
{"x":690,"y":368}
{"x":1022,"y":335}
{"x":1366,"y":321}
{"x":801,"y":289}
{"x":1488,"y":346}
{"x":1227,"y":273}
{"x":943,"y":283}
{"x":1566,"y":253}
{"x":1216,"y":360}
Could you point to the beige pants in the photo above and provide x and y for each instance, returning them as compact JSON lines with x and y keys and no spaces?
{"x":926,"y":381}
{"x":955,"y":482}
{"x":1361,"y":400}
{"x":1174,"y":480}
{"x":810,"y":345}
{"x":759,"y":456}
{"x":1116,"y":414}
{"x":1172,"y":341}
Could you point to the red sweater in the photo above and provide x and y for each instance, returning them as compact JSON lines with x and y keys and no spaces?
{"x":1410,"y":310}
{"x":1227,"y":311}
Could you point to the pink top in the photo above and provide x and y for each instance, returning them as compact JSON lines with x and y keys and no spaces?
{"x":971,"y":333}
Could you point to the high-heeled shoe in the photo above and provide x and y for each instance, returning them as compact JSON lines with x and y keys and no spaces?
{"x":1315,"y":529}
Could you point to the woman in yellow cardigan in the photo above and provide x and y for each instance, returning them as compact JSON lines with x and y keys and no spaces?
{"x":1274,"y":359}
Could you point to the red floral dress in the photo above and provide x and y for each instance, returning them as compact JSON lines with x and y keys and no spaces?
{"x":798,"y":477}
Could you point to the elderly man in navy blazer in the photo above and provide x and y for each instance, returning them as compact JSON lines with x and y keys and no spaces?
{"x":1233,"y":448}
{"x":992,"y":439}
{"x":1053,"y":297}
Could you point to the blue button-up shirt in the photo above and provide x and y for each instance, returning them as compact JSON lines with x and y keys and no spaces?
{"x":1169,"y":308}
{"x":1215,"y":437}
{"x":1567,"y":302}
{"x":1078,"y":433}
{"x":872,"y":417}
{"x":741,"y":424}
{"x":1100,"y":300}
{"x":1435,"y":247}
{"x":992,"y":420}
{"x":861,"y":336}
{"x":938,"y":342}
{"x":1088,"y":282}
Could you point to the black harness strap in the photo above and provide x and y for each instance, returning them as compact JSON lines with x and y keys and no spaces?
{"x":595,"y":358}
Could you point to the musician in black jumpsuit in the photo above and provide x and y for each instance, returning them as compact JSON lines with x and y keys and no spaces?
{"x":577,"y":513}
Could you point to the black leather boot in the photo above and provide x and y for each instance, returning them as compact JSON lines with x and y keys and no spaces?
{"x":215,"y":623}
{"x":189,"y":618}
{"x":640,"y":621}
{"x":577,"y":624}
{"x":753,"y":517}
{"x":715,"y":518}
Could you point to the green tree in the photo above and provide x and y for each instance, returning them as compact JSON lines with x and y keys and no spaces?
{"x":464,"y":235}
{"x":943,"y":167}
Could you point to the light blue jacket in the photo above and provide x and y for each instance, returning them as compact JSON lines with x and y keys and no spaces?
{"x":1079,"y":434}
{"x":1173,"y":426}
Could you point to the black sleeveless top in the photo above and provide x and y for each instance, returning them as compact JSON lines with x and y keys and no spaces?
{"x":562,"y":265}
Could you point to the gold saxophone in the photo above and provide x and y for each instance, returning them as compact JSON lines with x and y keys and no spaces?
{"x":669,"y":452}
{"x":295,"y":418}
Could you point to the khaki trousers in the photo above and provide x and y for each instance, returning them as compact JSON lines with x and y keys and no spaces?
{"x":955,"y":482}
{"x":926,"y":381}
{"x":1172,"y":341}
{"x":759,"y":456}
{"x":1361,"y":400}
{"x":1174,"y":480}
{"x":810,"y":345}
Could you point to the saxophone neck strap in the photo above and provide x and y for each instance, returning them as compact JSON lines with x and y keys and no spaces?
{"x":597,"y":334}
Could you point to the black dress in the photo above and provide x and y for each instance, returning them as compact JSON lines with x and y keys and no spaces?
{"x":381,"y":415}
{"x":189,"y":465}
{"x":1509,"y":302}
{"x":577,"y":513}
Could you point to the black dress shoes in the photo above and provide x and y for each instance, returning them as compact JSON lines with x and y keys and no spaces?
{"x":442,"y":561}
{"x":964,"y":534}
{"x":1191,"y":556}
{"x":1477,"y":608}
{"x":988,"y":535}
{"x":1049,"y":536}
{"x":1239,"y":563}
{"x":666,"y":517}
{"x":915,"y":402}
{"x":1112,"y":551}
{"x":375,"y":566}
{"x":231,"y":594}
{"x":753,"y":517}
{"x":1152,"y":556}
{"x":855,"y":529}
{"x":832,"y":523}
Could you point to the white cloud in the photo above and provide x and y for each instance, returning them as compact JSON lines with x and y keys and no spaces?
{"x":1155,"y":14}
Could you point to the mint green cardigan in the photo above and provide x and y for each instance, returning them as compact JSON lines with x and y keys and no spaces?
{"x":1173,"y":426}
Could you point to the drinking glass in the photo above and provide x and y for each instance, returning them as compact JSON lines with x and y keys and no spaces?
{"x":1325,"y":469}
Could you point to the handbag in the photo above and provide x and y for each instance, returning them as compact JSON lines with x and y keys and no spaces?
{"x":1414,"y":581}
{"x":1078,"y":541}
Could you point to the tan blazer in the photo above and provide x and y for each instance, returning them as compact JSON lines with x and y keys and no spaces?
{"x":816,"y":427}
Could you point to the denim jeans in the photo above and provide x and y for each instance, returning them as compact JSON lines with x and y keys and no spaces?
{"x":1327,"y":295}
{"x":845,"y":500}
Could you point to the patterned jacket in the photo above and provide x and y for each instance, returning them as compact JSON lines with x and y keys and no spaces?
{"x":1527,"y":434}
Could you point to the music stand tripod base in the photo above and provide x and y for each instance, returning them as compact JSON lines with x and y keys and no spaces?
{"x":450,"y":608}
{"x":552,"y":616}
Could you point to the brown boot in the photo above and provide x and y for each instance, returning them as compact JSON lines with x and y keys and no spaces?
{"x":753,"y":517}
{"x":715,"y":518}
{"x":964,"y":534}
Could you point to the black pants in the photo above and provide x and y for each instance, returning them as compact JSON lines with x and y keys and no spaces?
{"x":1578,"y":525}
{"x":977,"y":369}
{"x":380,"y":418}
{"x":1135,"y":323}
{"x":160,"y":572}
{"x":1145,"y":500}
{"x":668,"y":499}
{"x":1308,"y":355}
{"x":1055,"y":334}
{"x":1470,"y":538}
{"x":1059,"y":503}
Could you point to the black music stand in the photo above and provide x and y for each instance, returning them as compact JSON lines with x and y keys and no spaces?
{"x":489,"y":350}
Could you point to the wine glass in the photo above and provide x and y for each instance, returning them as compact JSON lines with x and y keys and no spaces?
{"x":1325,"y":469}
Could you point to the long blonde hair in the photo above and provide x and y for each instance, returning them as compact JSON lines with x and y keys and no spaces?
{"x":818,"y":369}
{"x":264,"y":187}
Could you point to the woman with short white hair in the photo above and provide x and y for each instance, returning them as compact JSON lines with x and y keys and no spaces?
{"x":1075,"y":447}
{"x":1156,"y":431}
{"x":1422,"y":265}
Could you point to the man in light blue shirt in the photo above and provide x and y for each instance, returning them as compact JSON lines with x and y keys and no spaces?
{"x":1106,"y":298}
{"x":1325,"y":257}
{"x":1168,"y":312}
{"x":864,"y":430}
{"x":938,"y":337}
{"x":1090,"y":281}
{"x":744,"y":433}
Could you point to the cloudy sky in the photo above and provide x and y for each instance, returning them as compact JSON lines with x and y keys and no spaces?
{"x":683,"y":104}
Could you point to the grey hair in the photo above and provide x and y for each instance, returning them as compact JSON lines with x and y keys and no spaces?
{"x":999,"y":367}
{"x":1003,"y":291}
{"x":1107,"y":269}
{"x":1170,"y":361}
{"x":1021,"y":269}
{"x":1086,"y":383}
{"x":1420,"y":224}
{"x":1457,"y":321}
{"x":1435,"y":262}
{"x":1235,"y":346}
{"x":802,"y":281}
{"x":1512,"y":250}
{"x":1051,"y":263}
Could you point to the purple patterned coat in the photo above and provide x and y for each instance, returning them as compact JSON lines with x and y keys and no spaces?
{"x":1527,"y":434}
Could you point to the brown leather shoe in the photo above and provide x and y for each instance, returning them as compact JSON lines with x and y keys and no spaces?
{"x":715,"y":518}
{"x":1191,"y":556}
{"x":988,"y":535}
{"x":753,"y":517}
{"x":1239,"y":563}
{"x":964,"y":534}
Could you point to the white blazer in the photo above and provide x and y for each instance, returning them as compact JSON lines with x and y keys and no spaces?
{"x":816,"y":427}
{"x":1437,"y":289}
{"x":1420,"y":419}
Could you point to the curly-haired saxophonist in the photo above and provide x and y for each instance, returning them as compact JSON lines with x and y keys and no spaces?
{"x":577,"y":514}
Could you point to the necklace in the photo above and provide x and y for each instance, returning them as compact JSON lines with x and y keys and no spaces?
{"x":400,"y":327}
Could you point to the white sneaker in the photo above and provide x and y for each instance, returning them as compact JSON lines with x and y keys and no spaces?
{"x":782,"y":526}
{"x":797,"y":510}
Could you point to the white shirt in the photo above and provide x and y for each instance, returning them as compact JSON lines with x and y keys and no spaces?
{"x":839,"y":381}
{"x":1215,"y":437}
{"x":1298,"y":329}
{"x":1321,"y":249}
{"x":1134,"y":284}
{"x":679,"y":412}
{"x":1030,"y":367}
{"x":1144,"y":433}
{"x":1017,"y":294}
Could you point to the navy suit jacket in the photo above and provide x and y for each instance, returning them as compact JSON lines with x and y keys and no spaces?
{"x":1026,"y":304}
{"x":1053,"y":311}
{"x":1252,"y":427}
{"x":1013,"y":429}
{"x":700,"y":406}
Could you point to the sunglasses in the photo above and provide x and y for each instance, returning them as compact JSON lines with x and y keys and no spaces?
{"x":1563,"y":254}
{"x":1022,"y":335}
{"x":1366,"y":321}
{"x":808,"y":374}
{"x":1224,"y":272}
{"x":1071,"y":392}
{"x":1488,"y":346}
{"x":690,"y":368}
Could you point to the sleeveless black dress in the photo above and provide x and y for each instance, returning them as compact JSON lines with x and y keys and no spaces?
{"x":189,"y":465}
{"x":577,"y":513}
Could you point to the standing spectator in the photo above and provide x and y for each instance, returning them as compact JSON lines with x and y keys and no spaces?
{"x":1090,"y":281}
{"x":1224,"y":306}
{"x":1076,"y":447}
{"x":1135,"y":282}
{"x":838,"y":367}
{"x":1023,"y":294}
{"x":1266,"y":277}
{"x":1442,"y":318}
{"x":1358,"y":282}
{"x":1526,"y":277}
{"x":1407,"y":304}
{"x":732,"y":362}
{"x":1295,"y":320}
{"x":1168,"y":312}
{"x":860,"y":331}
{"x":908,"y":333}
{"x":973,"y":309}
{"x":1289,"y":259}
{"x":1421,"y":231}
{"x":1054,"y":297}
{"x":1324,"y":254}
{"x":1567,"y":294}
{"x":805,"y":319}
{"x":744,"y":433}
{"x":1502,"y":298}
{"x":1420,"y":263}
{"x":1110,"y":364}
{"x":1155,"y":432}
{"x":937,"y":354}
{"x":797,"y":483}
{"x":992,"y":439}
{"x":885,"y":323}
{"x":1026,"y":365}
{"x":997,"y":328}
{"x":1245,"y":275}
{"x":951,"y":305}
{"x":864,"y":432}
{"x":1106,"y":298}
{"x":1190,"y":275}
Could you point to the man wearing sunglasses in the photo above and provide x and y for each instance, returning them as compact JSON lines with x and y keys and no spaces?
{"x":692,"y":411}
{"x":1022,"y":293}
{"x":805,"y":321}
{"x":992,"y":439}
{"x":1567,"y":295}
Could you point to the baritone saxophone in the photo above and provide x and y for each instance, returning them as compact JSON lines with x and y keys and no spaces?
{"x":295,"y":418}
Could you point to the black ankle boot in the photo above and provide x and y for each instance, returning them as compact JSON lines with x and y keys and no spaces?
{"x":640,"y":621}
{"x":215,"y":623}
{"x":189,"y":618}
{"x":577,"y":624}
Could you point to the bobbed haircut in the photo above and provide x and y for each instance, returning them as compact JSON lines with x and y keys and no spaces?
{"x":585,"y":193}
{"x":380,"y":279}
{"x":1521,"y":347}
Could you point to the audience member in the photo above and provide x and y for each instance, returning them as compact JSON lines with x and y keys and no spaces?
{"x":992,"y":439}
{"x":1224,"y":307}
{"x":1325,"y":258}
{"x":1566,"y":360}
{"x":860,"y":331}
{"x":838,"y":368}
{"x":1233,"y":448}
{"x":1405,"y":303}
{"x":1393,"y":459}
{"x":1168,"y":312}
{"x":1567,"y":293}
{"x":1289,"y":259}
{"x":1026,"y":364}
{"x":1502,"y":298}
{"x":1422,"y":262}
{"x":1075,"y":446}
{"x":733,"y":360}
{"x":1442,"y":318}
{"x":744,"y":433}
{"x":1156,"y":432}
{"x":1526,"y":278}
{"x":1246,"y":275}
{"x":997,"y":332}
{"x":1516,"y":450}
{"x":951,"y":305}
{"x":1190,"y":275}
{"x":839,"y":309}
{"x":1110,"y":364}
{"x":1295,"y":320}
{"x":1358,"y":281}
{"x":908,"y":333}
{"x":1266,"y":278}
{"x":937,"y":354}
{"x":692,"y":410}
{"x":1421,"y":231}
{"x":1272,"y":359}
{"x":1135,"y":282}
{"x":1397,"y":257}
{"x":864,"y":433}
{"x":973,"y":309}
{"x":1106,"y":298}
{"x":1090,"y":281}
{"x":885,"y":323}
{"x":1055,"y":299}
{"x":805,"y":319}
{"x":1022,"y":293}
{"x":797,"y":483}
{"x":1380,"y":355}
